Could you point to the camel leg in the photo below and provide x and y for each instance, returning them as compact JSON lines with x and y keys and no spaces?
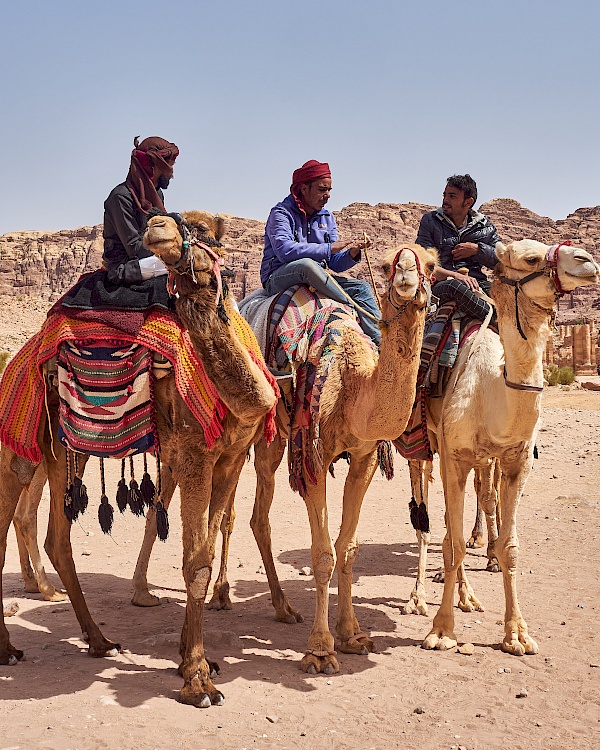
{"x":141,"y":595}
{"x":58,"y":547}
{"x":454,"y":477}
{"x":320,"y":656}
{"x":25,"y":523}
{"x":10,"y":491}
{"x":420,"y":478}
{"x":517,"y":640}
{"x":476,"y":538}
{"x":360,"y":473}
{"x":220,"y":598}
{"x":487,"y":504}
{"x":201,"y":517}
{"x":467,"y":601}
{"x":266,"y":460}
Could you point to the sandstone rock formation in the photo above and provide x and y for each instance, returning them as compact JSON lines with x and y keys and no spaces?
{"x":45,"y":264}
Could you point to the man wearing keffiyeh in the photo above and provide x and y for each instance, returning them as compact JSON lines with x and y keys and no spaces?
{"x":301,"y":242}
{"x":126,"y":259}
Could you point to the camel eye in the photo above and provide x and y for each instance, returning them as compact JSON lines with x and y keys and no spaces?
{"x":532,"y":261}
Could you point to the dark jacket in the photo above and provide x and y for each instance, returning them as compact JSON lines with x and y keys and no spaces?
{"x":124,"y":226}
{"x":290,"y":236}
{"x":437,"y":230}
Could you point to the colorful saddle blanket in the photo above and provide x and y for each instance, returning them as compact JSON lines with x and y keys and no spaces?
{"x":304,"y":331}
{"x":105,"y":397}
{"x":23,"y":390}
{"x":444,"y":336}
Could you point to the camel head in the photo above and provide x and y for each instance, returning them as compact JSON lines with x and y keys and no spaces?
{"x":191,"y":247}
{"x":545,"y":272}
{"x":406,"y":270}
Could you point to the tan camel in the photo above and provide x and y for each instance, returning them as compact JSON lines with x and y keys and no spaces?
{"x":206,"y":478}
{"x":492,"y":409}
{"x":487,"y":485}
{"x":354,"y":415}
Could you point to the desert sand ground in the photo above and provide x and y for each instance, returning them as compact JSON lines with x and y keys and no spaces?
{"x":400,"y":697}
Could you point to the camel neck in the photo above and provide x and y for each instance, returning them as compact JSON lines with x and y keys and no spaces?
{"x":383,"y":397}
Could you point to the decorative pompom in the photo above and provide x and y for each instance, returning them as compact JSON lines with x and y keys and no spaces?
{"x":105,"y":515}
{"x":69,"y":510}
{"x":414,"y":513}
{"x":122,"y":493}
{"x":79,"y":497}
{"x":385,"y":458}
{"x":162,"y":521}
{"x":147,"y":489}
{"x":134,"y":499}
{"x":419,"y":516}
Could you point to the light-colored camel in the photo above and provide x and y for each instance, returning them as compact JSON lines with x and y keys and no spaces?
{"x":206,"y":478}
{"x":355,"y":414}
{"x":487,"y":486}
{"x":492,"y":409}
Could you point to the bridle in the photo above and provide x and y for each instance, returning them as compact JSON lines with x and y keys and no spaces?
{"x":184,"y":266}
{"x":424,"y":285}
{"x":550,"y":270}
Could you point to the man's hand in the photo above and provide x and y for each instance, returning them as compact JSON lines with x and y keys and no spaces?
{"x":470,"y":281}
{"x":340,"y":245}
{"x":354,"y":246}
{"x":465,"y":250}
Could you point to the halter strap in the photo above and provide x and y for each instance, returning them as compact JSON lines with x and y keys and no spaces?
{"x":522,"y":386}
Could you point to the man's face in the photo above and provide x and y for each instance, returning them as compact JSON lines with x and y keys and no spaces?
{"x":454,"y":203}
{"x":316,"y":194}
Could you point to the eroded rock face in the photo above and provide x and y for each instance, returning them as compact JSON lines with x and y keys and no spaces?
{"x":46,"y":264}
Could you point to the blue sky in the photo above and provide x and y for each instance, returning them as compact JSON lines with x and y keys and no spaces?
{"x":396,"y":96}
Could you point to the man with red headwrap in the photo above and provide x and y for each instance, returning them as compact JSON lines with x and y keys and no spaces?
{"x":301,"y":242}
{"x":126,"y":259}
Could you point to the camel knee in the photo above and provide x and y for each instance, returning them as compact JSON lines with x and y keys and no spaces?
{"x":507,"y":555}
{"x":199,"y":584}
{"x":323,"y":568}
{"x":346,"y":560}
{"x":454,"y":553}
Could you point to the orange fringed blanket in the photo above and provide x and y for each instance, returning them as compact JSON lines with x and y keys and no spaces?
{"x":22,"y":389}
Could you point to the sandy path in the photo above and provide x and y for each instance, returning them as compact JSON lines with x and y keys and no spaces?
{"x":59,"y":698}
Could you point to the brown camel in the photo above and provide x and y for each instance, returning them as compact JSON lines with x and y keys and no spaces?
{"x":354,"y":416}
{"x":492,"y":407}
{"x":206,"y":478}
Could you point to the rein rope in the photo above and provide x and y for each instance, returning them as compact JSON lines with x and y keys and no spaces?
{"x":550,"y":270}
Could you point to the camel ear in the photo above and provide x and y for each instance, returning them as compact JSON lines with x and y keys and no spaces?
{"x":219,"y":227}
{"x":502,"y":251}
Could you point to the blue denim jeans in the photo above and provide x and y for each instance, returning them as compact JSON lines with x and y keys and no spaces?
{"x":307,"y":271}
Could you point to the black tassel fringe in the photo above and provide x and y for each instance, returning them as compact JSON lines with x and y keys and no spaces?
{"x":147,"y":489}
{"x":105,"y":515}
{"x":122,"y":495}
{"x":162,"y":521}
{"x":134,"y":499}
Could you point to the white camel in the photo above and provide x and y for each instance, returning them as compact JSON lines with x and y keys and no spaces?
{"x":492,"y":409}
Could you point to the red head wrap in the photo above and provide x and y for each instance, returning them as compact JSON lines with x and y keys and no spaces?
{"x":150,"y":157}
{"x":311,"y":170}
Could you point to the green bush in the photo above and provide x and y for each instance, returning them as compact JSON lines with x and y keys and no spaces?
{"x":4,"y":357}
{"x":551,"y":374}
{"x":566,"y":375}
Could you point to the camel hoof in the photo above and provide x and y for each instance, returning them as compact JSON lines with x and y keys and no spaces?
{"x":145,"y":599}
{"x":214,"y":669}
{"x":493,"y":566}
{"x":475,"y":541}
{"x":189,"y":698}
{"x":439,"y":577}
{"x":360,"y":646}
{"x":57,"y":596}
{"x":289,"y":618}
{"x":312,"y":664}
{"x":415,"y":607}
{"x":30,"y":586}
{"x":218,"y":605}
{"x":218,"y":699}
{"x":440,"y":643}
{"x":107,"y":649}
{"x":516,"y":647}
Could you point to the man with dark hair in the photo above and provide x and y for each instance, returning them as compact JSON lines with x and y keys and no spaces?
{"x":301,"y":243}
{"x":465,"y":240}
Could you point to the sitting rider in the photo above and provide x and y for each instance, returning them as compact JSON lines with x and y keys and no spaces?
{"x":465,"y":239}
{"x":126,"y":259}
{"x":132,"y":278}
{"x":301,"y":243}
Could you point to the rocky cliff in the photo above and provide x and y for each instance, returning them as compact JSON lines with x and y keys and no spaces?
{"x":44,"y":264}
